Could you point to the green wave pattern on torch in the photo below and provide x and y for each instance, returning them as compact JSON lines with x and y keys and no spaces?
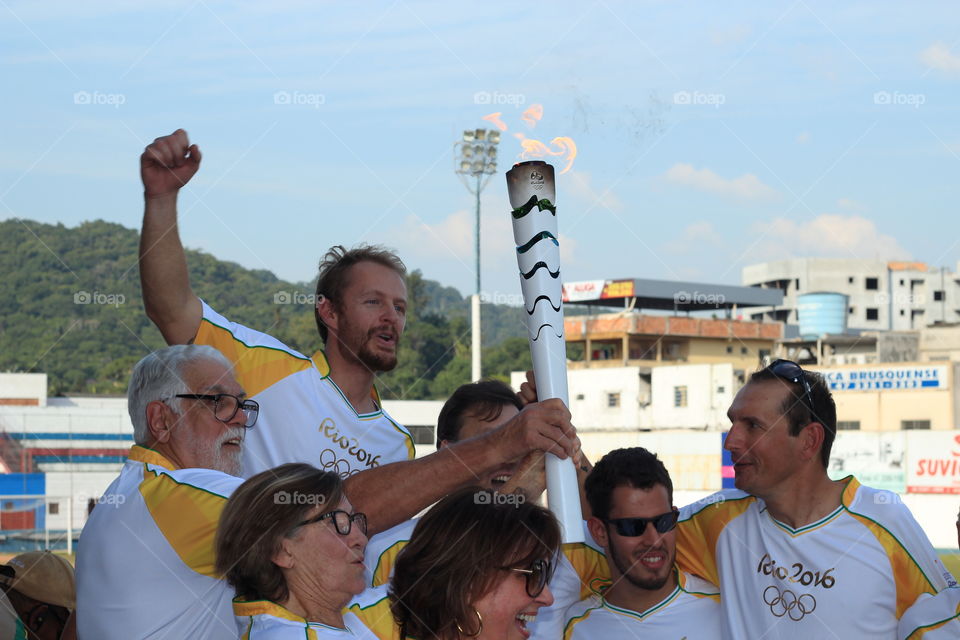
{"x":543,"y":235}
{"x":541,"y":205}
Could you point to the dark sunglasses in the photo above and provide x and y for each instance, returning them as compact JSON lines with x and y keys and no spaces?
{"x":226,"y":406}
{"x":633,"y":527}
{"x":537,"y":576}
{"x":342,"y":521}
{"x":792,"y":372}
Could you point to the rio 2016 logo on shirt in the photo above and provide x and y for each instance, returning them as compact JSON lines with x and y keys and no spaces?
{"x":350,"y":445}
{"x":796,"y":573}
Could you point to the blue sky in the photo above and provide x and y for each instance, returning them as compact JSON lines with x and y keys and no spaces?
{"x":710,"y":135}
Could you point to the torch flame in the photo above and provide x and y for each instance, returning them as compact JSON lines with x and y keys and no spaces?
{"x":566,"y":149}
{"x":494,"y":118}
{"x":532,"y":115}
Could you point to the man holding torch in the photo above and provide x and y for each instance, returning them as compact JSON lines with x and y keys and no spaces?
{"x":324,"y":409}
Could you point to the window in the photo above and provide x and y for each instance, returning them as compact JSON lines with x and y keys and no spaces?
{"x":613,"y":400}
{"x":872,"y":284}
{"x":938,"y":296}
{"x":721,"y":389}
{"x":743,"y":351}
{"x":421,"y":434}
{"x":908,"y":425}
{"x":848,"y":425}
{"x":901,"y":282}
{"x":902,"y":312}
{"x":873,"y":313}
{"x":850,"y":280}
{"x":850,"y":310}
{"x":579,"y":396}
{"x":53,"y":508}
{"x":729,"y":348}
{"x":680,"y":396}
{"x":797,"y":284}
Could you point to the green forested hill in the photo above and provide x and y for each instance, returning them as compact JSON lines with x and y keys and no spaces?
{"x":71,"y":307}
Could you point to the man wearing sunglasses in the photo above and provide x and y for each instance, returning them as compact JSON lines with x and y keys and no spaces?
{"x":145,"y":561}
{"x":634,"y":520}
{"x":796,"y":554}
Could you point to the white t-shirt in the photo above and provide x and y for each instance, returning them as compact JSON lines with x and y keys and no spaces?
{"x":692,"y":611}
{"x":265,"y":620}
{"x":146,"y":555}
{"x":852,"y":574}
{"x":933,"y":617}
{"x":304,"y":416}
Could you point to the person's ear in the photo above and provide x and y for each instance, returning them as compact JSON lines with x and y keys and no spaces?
{"x":160,"y":421}
{"x":283,"y":558}
{"x":811,"y":440}
{"x":598,"y":530}
{"x":327,"y":311}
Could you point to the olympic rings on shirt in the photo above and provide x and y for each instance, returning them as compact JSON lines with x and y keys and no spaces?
{"x":788,"y":603}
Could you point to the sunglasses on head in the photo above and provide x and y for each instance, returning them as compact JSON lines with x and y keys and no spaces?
{"x":633,"y":527}
{"x":792,"y":372}
{"x":537,"y":576}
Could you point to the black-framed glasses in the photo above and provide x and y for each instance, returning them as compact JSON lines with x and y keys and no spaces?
{"x":792,"y":372}
{"x":342,"y":521}
{"x":538,"y":574}
{"x":226,"y":406}
{"x":633,"y":527}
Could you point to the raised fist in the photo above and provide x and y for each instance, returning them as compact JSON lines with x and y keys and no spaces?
{"x":168,"y":163}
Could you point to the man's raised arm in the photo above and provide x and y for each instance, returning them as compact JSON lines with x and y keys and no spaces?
{"x":166,"y":165}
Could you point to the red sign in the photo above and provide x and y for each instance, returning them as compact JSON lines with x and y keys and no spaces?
{"x":934,"y":463}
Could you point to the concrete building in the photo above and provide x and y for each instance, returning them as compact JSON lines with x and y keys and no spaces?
{"x":880,"y":295}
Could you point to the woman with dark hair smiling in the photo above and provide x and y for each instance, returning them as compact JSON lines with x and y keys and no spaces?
{"x":476,"y":566}
{"x":292,"y":546}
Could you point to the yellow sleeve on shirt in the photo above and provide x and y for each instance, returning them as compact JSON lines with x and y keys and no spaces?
{"x":255,"y":367}
{"x":697,"y":537}
{"x":591,"y":565}
{"x":187,"y":516}
{"x":378,"y":618}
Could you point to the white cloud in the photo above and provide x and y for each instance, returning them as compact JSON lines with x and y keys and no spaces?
{"x":938,"y":56}
{"x":581,"y":187}
{"x":803,"y":137}
{"x":746,"y":188}
{"x":827,"y":235}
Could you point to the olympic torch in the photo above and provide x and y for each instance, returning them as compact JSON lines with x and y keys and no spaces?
{"x":533,"y":197}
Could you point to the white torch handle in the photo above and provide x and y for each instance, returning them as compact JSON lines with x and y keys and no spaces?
{"x":532,"y":193}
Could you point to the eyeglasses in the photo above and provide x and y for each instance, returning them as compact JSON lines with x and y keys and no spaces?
{"x":537,"y":576}
{"x":633,"y":527}
{"x":226,"y":406}
{"x":342,"y":521}
{"x":792,"y":372}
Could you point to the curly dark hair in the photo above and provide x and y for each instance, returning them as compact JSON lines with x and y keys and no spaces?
{"x":633,"y":467}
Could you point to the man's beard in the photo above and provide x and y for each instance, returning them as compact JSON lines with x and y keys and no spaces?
{"x":375,"y":362}
{"x":650,"y":584}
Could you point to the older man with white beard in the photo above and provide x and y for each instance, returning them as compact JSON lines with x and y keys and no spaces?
{"x":145,"y":561}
